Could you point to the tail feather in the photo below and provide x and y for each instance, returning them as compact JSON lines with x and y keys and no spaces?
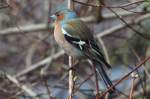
{"x":101,"y":73}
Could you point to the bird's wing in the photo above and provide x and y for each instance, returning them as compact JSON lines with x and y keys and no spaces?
{"x":77,"y":28}
{"x":79,"y":35}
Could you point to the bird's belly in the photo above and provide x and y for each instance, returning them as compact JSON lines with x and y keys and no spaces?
{"x":74,"y":52}
{"x":70,"y":49}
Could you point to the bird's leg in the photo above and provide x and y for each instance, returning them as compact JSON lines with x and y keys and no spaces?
{"x":96,"y":82}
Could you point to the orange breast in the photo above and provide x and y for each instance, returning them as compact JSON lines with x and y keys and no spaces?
{"x":60,"y":39}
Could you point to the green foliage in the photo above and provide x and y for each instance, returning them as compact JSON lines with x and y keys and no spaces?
{"x":147,"y":1}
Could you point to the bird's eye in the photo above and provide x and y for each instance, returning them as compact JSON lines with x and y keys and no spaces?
{"x":57,"y":15}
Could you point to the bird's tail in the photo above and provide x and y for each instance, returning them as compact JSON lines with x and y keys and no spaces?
{"x":102,"y":74}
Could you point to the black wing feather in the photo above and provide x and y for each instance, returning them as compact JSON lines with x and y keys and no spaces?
{"x":90,"y":49}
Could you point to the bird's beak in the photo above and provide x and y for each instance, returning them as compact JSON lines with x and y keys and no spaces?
{"x":53,"y":17}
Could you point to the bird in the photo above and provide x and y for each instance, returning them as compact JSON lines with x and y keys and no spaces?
{"x":77,"y":40}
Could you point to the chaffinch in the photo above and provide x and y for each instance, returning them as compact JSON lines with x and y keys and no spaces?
{"x":76,"y":39}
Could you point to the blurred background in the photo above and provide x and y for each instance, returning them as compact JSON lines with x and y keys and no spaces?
{"x":30,"y":57}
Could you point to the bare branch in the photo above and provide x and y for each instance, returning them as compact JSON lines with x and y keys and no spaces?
{"x":127,"y":75}
{"x":5,"y":6}
{"x":22,"y":86}
{"x":121,"y":26}
{"x":39,"y":64}
{"x":44,"y":26}
{"x":71,"y":72}
{"x":145,"y":36}
{"x":117,"y":6}
{"x":24,"y":29}
{"x":104,"y":49}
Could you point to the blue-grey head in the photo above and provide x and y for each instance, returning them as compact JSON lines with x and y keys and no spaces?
{"x":64,"y":15}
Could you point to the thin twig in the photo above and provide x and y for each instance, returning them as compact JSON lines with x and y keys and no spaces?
{"x":132,"y":84}
{"x":71,"y":72}
{"x":145,"y":72}
{"x":83,"y":82}
{"x":127,"y":75}
{"x":71,"y":82}
{"x":104,"y":49}
{"x":70,"y":4}
{"x":96,"y":81}
{"x":112,"y":30}
{"x":121,"y":26}
{"x":46,"y":85}
{"x":4,"y":6}
{"x":117,"y":6}
{"x":22,"y":86}
{"x":40,"y":64}
{"x":132,"y":89}
{"x":139,"y":59}
{"x":44,"y":27}
{"x":136,"y":12}
{"x":110,"y":8}
{"x":145,"y":36}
